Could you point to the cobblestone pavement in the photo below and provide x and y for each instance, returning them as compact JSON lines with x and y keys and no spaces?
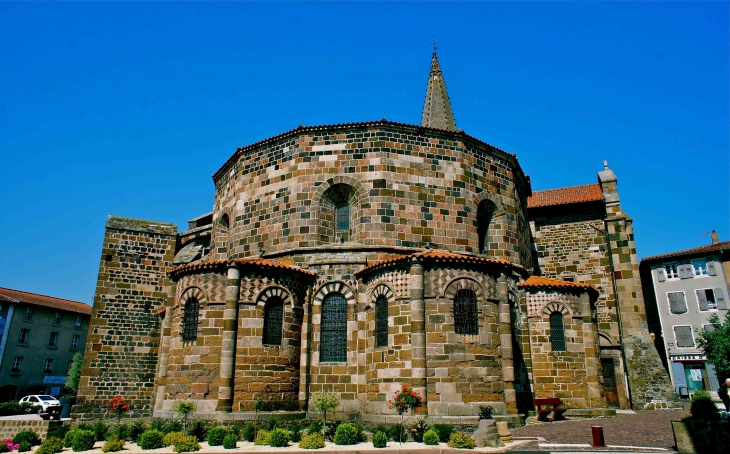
{"x":643,"y":429}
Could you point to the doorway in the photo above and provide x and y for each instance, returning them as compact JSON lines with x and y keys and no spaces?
{"x":610,"y":391}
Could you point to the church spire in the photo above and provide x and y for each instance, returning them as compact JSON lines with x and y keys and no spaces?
{"x":437,"y":111}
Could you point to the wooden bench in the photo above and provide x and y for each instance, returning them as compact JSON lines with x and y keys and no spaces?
{"x":53,"y":412}
{"x":553,"y":403}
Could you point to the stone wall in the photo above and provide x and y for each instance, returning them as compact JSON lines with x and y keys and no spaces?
{"x":122,"y":348}
{"x":9,"y":428}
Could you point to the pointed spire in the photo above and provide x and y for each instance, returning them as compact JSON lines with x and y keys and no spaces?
{"x":437,"y":111}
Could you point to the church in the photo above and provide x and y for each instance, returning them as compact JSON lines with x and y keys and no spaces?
{"x":357,"y":258}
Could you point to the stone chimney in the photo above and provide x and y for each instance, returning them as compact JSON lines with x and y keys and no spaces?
{"x":714,"y":237}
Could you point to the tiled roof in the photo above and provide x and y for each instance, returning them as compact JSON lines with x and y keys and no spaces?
{"x":544,"y":282}
{"x":263,"y":263}
{"x":563,"y":196}
{"x":17,"y":296}
{"x":441,"y":256}
{"x":696,"y":250}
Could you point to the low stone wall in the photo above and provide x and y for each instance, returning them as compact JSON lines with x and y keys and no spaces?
{"x":10,"y":427}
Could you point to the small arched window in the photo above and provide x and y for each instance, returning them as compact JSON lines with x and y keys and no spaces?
{"x":466,"y":316}
{"x":273,"y":317}
{"x":381,"y":321}
{"x":485,"y":212}
{"x":557,"y":332}
{"x":190,"y":319}
{"x":224,"y":222}
{"x":333,"y":341}
{"x":343,"y":218}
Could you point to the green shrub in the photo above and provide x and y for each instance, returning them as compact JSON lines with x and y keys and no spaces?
{"x":68,"y":439}
{"x":121,"y":431}
{"x":172,"y":438}
{"x":198,"y":428}
{"x":113,"y":444}
{"x":136,"y":429}
{"x":24,"y":446}
{"x":418,"y":428}
{"x":27,"y":435}
{"x":312,"y":441}
{"x":249,"y":432}
{"x":83,"y":441}
{"x":163,"y":425}
{"x":315,"y":427}
{"x":461,"y":441}
{"x":295,"y":432}
{"x":151,"y":439}
{"x":398,"y":432}
{"x":186,"y":444}
{"x":230,"y":442}
{"x":216,"y":435}
{"x":279,"y":438}
{"x":380,"y":439}
{"x":431,"y":438}
{"x":444,"y":431}
{"x":52,"y":445}
{"x":262,"y":438}
{"x":57,"y":430}
{"x":100,"y":430}
{"x":346,"y":434}
{"x":703,"y":408}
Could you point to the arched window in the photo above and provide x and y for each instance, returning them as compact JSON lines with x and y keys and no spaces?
{"x":223,"y":221}
{"x":333,"y":342}
{"x":273,"y":317}
{"x":466,"y":317}
{"x":343,"y":218}
{"x":190,"y":319}
{"x":485,"y":211}
{"x":557,"y":332}
{"x":381,"y":321}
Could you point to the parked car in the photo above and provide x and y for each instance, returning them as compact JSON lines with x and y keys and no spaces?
{"x":41,"y":401}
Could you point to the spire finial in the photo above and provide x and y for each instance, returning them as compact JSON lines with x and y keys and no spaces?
{"x":437,"y":107}
{"x":434,"y":41}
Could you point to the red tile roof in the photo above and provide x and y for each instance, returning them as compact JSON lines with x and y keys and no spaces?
{"x":17,"y":296}
{"x":545,"y":282}
{"x":441,"y":256}
{"x":563,"y":196}
{"x":696,"y":250}
{"x":263,"y":263}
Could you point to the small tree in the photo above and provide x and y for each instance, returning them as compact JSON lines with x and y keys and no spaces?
{"x":716,"y":345}
{"x":405,"y":399}
{"x":118,"y":406}
{"x":323,"y":402}
{"x":74,"y":373}
{"x":185,"y":408}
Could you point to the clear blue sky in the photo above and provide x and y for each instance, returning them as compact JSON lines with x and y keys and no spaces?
{"x":129,"y":108}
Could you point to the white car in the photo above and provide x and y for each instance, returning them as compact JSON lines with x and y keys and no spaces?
{"x":41,"y":401}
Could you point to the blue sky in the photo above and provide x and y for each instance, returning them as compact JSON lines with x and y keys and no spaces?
{"x":129,"y":108}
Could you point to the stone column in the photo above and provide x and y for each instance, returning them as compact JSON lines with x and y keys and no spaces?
{"x":305,"y":354}
{"x":505,"y":339}
{"x":418,"y":331}
{"x":228,"y":348}
{"x":595,"y":397}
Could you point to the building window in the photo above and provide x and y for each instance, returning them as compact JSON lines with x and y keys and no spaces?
{"x":677,"y":302}
{"x":78,"y":321}
{"x":75,"y":342}
{"x":333,"y":341}
{"x":683,"y":336}
{"x":48,"y":366}
{"x":53,"y":340}
{"x":24,"y":334}
{"x":709,"y":328}
{"x":273,"y":317}
{"x":700,"y":267}
{"x":57,"y":318}
{"x":466,"y":317}
{"x":17,"y":364}
{"x":28,"y":316}
{"x":485,"y":211}
{"x":190,"y":319}
{"x":711,"y":299}
{"x":381,"y":321}
{"x":343,"y":217}
{"x":557,"y":332}
{"x":68,"y":366}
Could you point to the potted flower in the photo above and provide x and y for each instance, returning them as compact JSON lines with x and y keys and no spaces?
{"x":405,"y":400}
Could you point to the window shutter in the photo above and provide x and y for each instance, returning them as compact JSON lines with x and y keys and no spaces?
{"x":673,"y":303}
{"x":702,"y":298}
{"x":662,"y":274}
{"x":720,"y":299}
{"x":686,"y":271}
{"x":684,"y":336}
{"x":681,"y":302}
{"x":711,"y":269}
{"x":709,"y":328}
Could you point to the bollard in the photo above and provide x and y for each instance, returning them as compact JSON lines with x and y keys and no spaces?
{"x":598,"y":436}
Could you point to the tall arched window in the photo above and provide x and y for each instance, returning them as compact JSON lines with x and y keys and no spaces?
{"x":273,"y":318}
{"x":557,"y":332}
{"x":190,"y":319}
{"x":466,"y":316}
{"x":381,"y":321}
{"x":343,"y":218}
{"x":485,"y":211}
{"x":333,"y":341}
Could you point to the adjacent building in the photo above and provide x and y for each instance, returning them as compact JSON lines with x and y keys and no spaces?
{"x":39,"y":335}
{"x":682,"y":290}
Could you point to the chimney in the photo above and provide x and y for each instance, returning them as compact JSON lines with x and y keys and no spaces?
{"x":714,"y":237}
